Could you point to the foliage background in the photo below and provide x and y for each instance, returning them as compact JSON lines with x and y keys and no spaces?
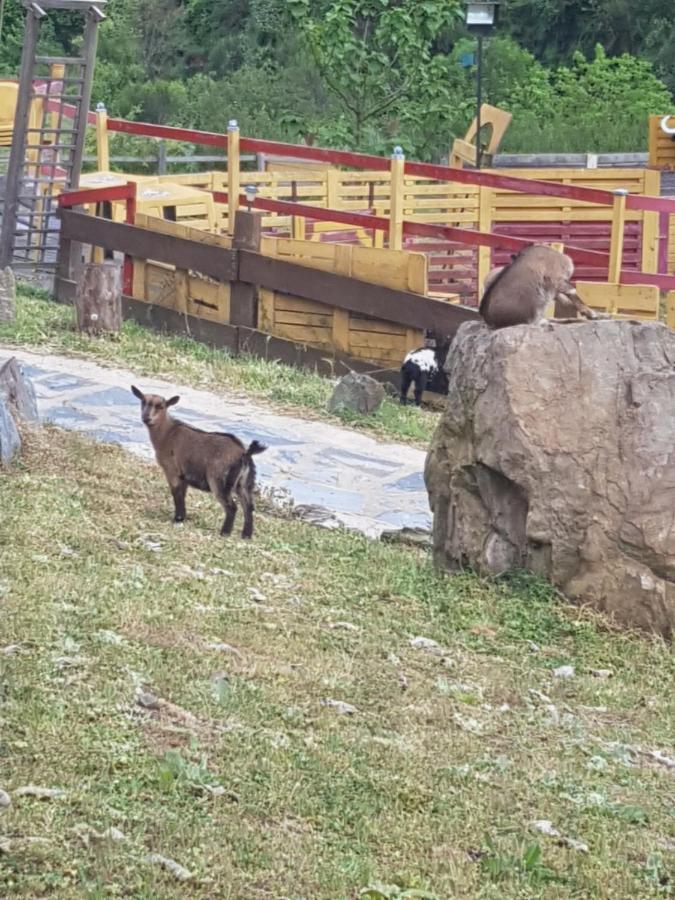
{"x":579,"y":75}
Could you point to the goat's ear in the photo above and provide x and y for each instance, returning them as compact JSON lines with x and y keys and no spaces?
{"x":172,"y":401}
{"x":137,"y":393}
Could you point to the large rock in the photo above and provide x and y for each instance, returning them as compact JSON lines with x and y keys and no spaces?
{"x":358,"y":393}
{"x":17,"y":404}
{"x":556,"y":452}
{"x":10,"y":442}
{"x":18,"y":391}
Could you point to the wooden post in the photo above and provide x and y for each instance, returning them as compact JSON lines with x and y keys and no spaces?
{"x":298,"y":228}
{"x":232,"y":174}
{"x":485,"y":202}
{"x":670,"y":309}
{"x":243,"y":295}
{"x":650,"y":225}
{"x":98,"y":298}
{"x":162,"y":164}
{"x":102,"y":145}
{"x":130,"y":219}
{"x":13,"y":179}
{"x":618,"y":228}
{"x":396,"y":200}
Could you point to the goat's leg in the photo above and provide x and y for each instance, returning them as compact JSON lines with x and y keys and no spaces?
{"x":179,"y":490}
{"x":420,"y":387}
{"x":223,"y":494}
{"x":245,"y":494}
{"x":406,"y":381}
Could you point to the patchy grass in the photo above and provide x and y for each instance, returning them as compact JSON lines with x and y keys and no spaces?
{"x":50,"y":326}
{"x":116,"y":687}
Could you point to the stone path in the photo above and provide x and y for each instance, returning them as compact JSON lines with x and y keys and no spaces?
{"x":366,"y":484}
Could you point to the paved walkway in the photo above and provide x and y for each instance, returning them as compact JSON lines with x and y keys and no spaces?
{"x":367,"y":484}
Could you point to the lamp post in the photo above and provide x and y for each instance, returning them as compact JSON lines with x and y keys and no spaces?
{"x":481,"y":18}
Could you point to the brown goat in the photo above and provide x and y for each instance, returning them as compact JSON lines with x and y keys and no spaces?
{"x":205,"y":460}
{"x":519,"y":293}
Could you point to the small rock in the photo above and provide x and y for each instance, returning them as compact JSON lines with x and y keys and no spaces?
{"x":403,"y":681}
{"x":256,"y":595}
{"x":179,"y":872}
{"x":601,"y":673}
{"x":110,"y":637}
{"x":18,"y":392}
{"x":219,"y":647}
{"x":345,"y":626}
{"x":574,"y":844}
{"x":356,"y":393}
{"x":216,"y":571}
{"x":147,"y":700}
{"x":345,"y":709}
{"x":39,"y":793}
{"x":564,"y":672}
{"x":546,"y":827}
{"x":534,"y":648}
{"x":5,"y":800}
{"x":466,"y":723}
{"x":424,"y":643}
{"x":661,"y":758}
{"x":113,"y":834}
{"x":11,"y":650}
{"x":393,"y":659}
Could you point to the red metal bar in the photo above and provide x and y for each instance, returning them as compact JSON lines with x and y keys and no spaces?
{"x":96,"y":195}
{"x":316,"y":154}
{"x":207,"y":138}
{"x":130,"y":219}
{"x":364,"y":220}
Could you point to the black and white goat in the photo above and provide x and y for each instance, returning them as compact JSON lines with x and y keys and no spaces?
{"x":425,"y":368}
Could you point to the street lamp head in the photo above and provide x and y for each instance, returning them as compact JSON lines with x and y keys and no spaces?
{"x":482,"y":15}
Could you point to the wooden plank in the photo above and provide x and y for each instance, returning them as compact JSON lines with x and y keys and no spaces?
{"x":377,"y":341}
{"x":297,"y":318}
{"x":670,"y":309}
{"x":357,"y":296}
{"x":636,"y":300}
{"x":284,"y":303}
{"x":217,"y":262}
{"x":266,"y":312}
{"x":244,"y":296}
{"x":304,"y":334}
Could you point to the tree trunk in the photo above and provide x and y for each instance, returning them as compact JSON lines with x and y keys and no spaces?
{"x":98,"y":298}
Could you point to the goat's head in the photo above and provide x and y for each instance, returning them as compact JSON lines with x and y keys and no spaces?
{"x":153,"y":407}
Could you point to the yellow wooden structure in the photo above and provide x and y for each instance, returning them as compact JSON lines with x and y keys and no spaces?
{"x":464,"y":149}
{"x":661,"y":145}
{"x":319,"y":325}
{"x":293,"y":318}
{"x":180,"y":289}
{"x":9,"y":92}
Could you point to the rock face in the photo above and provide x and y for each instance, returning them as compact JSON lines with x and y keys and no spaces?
{"x":17,"y":404}
{"x":356,"y":392}
{"x":556,"y":452}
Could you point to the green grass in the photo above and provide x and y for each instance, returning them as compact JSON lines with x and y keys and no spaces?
{"x":50,"y":327}
{"x":432,"y":784}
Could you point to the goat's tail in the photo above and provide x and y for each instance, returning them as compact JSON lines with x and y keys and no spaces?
{"x":255,"y":447}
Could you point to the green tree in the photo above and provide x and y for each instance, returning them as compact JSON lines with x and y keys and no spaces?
{"x":376,"y":56}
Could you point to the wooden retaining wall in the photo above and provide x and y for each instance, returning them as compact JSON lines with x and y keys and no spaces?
{"x":286,"y":295}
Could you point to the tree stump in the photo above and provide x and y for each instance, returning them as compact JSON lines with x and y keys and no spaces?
{"x":98,"y":298}
{"x":7,"y":295}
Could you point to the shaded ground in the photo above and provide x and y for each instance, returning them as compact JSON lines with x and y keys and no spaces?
{"x":276,"y":717}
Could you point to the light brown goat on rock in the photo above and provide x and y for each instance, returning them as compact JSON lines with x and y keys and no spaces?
{"x":205,"y":460}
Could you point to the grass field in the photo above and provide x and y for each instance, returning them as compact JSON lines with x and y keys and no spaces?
{"x":49,"y":326}
{"x":185,"y":691}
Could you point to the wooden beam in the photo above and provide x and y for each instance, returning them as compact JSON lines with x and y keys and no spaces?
{"x":402,"y":307}
{"x":216,"y":262}
{"x":243,"y":294}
